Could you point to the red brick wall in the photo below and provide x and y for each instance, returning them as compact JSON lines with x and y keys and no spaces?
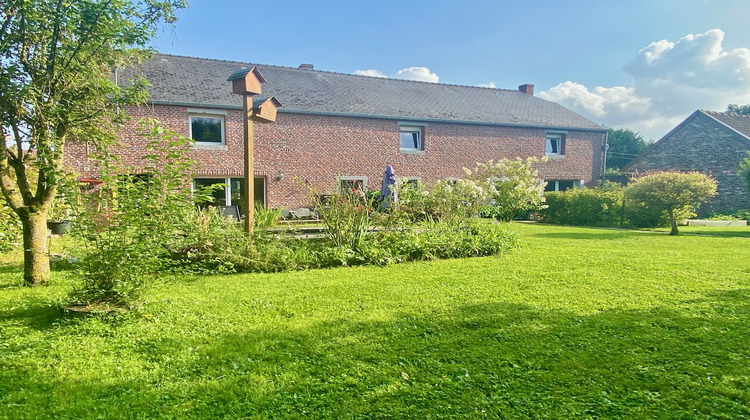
{"x":313,"y":150}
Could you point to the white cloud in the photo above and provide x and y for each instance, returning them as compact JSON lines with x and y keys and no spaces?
{"x":369,"y":72}
{"x":670,"y":81}
{"x":491,"y":85}
{"x":421,"y":74}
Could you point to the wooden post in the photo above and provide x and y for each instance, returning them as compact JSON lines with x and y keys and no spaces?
{"x":249,"y":196}
{"x":246,"y":82}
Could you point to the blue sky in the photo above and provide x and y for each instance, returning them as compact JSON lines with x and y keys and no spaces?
{"x":644,"y":65}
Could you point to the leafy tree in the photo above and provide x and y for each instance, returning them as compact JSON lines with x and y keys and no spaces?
{"x":624,"y":146}
{"x":127,"y":223}
{"x":745,"y":169}
{"x":56,"y":58}
{"x":677,"y":193}
{"x":738,"y":109}
{"x":514,"y":185}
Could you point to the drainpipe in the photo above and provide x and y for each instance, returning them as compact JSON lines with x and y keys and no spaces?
{"x":605,"y":147}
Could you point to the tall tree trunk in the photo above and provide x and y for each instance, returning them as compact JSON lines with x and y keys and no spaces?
{"x":672,"y":222}
{"x":35,"y":255}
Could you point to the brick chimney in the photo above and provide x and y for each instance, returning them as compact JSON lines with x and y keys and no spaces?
{"x":527,"y":89}
{"x":305,"y":66}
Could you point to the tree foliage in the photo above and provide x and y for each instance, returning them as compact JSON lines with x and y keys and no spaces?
{"x":676,"y":193}
{"x":56,"y":59}
{"x":745,"y":169}
{"x":128,"y":222}
{"x":624,"y":146}
{"x":738,"y":109}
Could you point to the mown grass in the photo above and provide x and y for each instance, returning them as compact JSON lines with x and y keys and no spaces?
{"x":734,"y":231}
{"x":579,"y":323}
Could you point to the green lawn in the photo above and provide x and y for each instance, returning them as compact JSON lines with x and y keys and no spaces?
{"x":579,"y":323}
{"x":742,"y":232}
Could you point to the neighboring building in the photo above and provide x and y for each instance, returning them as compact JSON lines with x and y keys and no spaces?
{"x":340,"y":129}
{"x":710,"y":142}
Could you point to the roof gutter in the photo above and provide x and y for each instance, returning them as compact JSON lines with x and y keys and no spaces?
{"x":385,"y":117}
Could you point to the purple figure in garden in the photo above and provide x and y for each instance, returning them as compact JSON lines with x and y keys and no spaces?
{"x":388,"y":193}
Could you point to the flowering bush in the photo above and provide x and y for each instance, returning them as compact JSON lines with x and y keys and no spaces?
{"x":457,"y":199}
{"x":513,"y":186}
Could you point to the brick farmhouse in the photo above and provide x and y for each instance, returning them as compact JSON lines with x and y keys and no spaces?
{"x":339,"y":129}
{"x":710,"y":142}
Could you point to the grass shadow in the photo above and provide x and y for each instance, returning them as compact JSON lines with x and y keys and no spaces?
{"x":10,"y":268}
{"x":589,"y":234}
{"x":38,"y":315}
{"x":716,"y":233}
{"x":497,"y":359}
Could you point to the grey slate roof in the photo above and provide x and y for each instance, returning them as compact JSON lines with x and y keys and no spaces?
{"x":203,"y":82}
{"x":737,"y":122}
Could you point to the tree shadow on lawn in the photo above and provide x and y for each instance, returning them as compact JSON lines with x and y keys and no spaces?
{"x":717,"y":233}
{"x":35,"y":313}
{"x":11,"y":275}
{"x":589,"y":233}
{"x":494,"y":359}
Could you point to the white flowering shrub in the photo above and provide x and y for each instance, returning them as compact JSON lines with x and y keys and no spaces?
{"x":457,"y":199}
{"x":513,"y":186}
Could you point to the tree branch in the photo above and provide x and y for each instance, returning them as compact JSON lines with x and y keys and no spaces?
{"x":55,"y":38}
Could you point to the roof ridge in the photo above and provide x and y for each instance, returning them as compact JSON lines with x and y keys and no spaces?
{"x":245,"y":63}
{"x":733,"y":114}
{"x":242,"y":63}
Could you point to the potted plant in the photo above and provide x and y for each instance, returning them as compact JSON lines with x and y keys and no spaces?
{"x":58,"y":220}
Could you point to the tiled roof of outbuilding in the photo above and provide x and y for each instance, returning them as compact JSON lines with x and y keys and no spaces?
{"x":203,"y":82}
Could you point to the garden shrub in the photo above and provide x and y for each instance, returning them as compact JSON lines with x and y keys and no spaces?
{"x":413,"y":204}
{"x":440,"y":239}
{"x":228,"y":250}
{"x":265,"y":217}
{"x":10,"y":227}
{"x":730,"y":215}
{"x":208,"y":242}
{"x":639,"y":215}
{"x":128,"y":222}
{"x":346,"y":217}
{"x":600,"y":206}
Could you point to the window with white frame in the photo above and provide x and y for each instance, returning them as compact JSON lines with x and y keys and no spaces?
{"x":348,"y":184}
{"x":562,"y":184}
{"x":207,"y":129}
{"x":555,"y":145}
{"x":230,"y":192}
{"x":411,"y":138}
